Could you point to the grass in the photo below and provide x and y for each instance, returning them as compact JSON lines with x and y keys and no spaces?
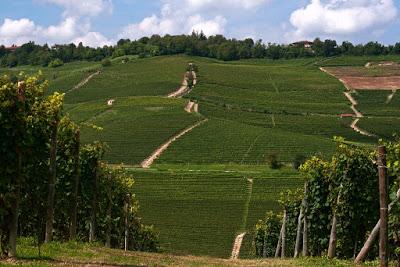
{"x":133,"y":127}
{"x":270,"y":87}
{"x":140,"y":77}
{"x":78,"y":254}
{"x":200,"y":212}
{"x":61,"y":79}
{"x":357,"y":60}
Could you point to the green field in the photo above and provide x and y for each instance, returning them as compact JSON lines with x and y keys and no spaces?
{"x":187,"y":208}
{"x":197,"y":194}
{"x":139,"y":77}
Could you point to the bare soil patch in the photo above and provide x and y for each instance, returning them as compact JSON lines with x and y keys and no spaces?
{"x":361,"y":78}
{"x":373,"y":83}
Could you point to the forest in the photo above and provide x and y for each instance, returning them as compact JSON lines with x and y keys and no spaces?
{"x":196,"y":44}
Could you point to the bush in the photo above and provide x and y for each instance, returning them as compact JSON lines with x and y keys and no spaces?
{"x":273,"y":161}
{"x":298,"y":161}
{"x":106,"y":62}
{"x":267,"y":235}
{"x":56,"y":63}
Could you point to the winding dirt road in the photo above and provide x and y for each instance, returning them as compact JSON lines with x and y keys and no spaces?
{"x":184,"y":89}
{"x":84,"y":81}
{"x":157,"y":153}
{"x":354,"y":104}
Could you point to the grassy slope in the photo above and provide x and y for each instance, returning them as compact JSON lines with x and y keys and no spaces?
{"x":133,"y":127}
{"x":255,"y":108}
{"x":75,"y":254}
{"x":200,"y":210}
{"x":141,"y":77}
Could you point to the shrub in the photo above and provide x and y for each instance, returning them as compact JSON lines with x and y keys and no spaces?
{"x":106,"y":62}
{"x":298,"y":161}
{"x":273,"y":161}
{"x":56,"y":63}
{"x":267,"y":235}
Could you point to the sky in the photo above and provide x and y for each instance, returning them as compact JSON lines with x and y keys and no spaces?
{"x":104,"y":22}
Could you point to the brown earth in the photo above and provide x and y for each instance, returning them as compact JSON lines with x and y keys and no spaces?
{"x":373,"y":83}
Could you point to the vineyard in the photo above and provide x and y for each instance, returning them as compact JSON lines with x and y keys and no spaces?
{"x":192,"y":217}
{"x":212,"y":183}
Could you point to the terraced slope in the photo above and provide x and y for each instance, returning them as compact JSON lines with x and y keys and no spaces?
{"x":201,"y":212}
{"x":133,"y":127}
{"x":140,"y":77}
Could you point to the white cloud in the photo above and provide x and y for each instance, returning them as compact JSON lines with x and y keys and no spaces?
{"x":77,"y":8}
{"x":73,"y":27}
{"x":182,"y":17}
{"x":208,"y":27}
{"x":93,"y":39}
{"x":224,"y":4}
{"x":341,"y":17}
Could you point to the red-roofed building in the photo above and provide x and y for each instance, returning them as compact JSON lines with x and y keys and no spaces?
{"x":347,"y":115}
{"x":305,"y":44}
{"x":12,"y":48}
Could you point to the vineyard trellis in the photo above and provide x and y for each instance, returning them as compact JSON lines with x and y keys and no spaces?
{"x":341,"y":208}
{"x":52,"y":187}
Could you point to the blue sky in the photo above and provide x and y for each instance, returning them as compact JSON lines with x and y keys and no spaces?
{"x":100,"y":22}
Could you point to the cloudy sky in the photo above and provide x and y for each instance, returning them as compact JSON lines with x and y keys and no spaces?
{"x":101,"y":22}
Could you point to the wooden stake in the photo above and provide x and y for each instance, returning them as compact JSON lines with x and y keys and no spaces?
{"x":283,"y":251}
{"x":300,"y":225}
{"x":374,"y":234}
{"x":279,"y":245}
{"x":333,"y":237}
{"x":305,"y":226}
{"x":383,"y":200}
{"x":76,"y":177}
{"x":52,"y":184}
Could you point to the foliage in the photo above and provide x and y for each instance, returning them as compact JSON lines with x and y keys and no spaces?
{"x":267,"y":235}
{"x":347,"y":187}
{"x":290,"y":201}
{"x":317,"y":212}
{"x":56,"y":63}
{"x":28,"y":120}
{"x":106,"y":62}
{"x":196,"y":44}
{"x":273,"y":161}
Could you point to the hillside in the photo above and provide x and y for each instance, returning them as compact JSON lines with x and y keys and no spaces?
{"x":75,"y":254}
{"x":212,"y":183}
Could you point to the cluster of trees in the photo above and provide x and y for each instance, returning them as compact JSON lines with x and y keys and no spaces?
{"x":51,"y":186}
{"x":196,"y":44}
{"x":338,"y":209}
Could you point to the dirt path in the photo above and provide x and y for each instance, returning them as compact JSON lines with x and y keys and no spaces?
{"x":189,"y":107}
{"x":157,"y":153}
{"x":359,"y":130}
{"x":391,"y":96}
{"x":354,"y":104}
{"x":184,"y":89}
{"x":84,"y":81}
{"x":237,"y":245}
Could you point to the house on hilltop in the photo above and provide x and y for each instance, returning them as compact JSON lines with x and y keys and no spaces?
{"x":12,"y":48}
{"x":303,"y":44}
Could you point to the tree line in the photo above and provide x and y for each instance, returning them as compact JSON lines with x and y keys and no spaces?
{"x":196,"y":44}
{"x":337,"y":212}
{"x":54,"y":188}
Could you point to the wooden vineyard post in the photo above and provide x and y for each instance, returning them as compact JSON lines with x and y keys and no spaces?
{"x":305,"y":226}
{"x":383,"y":200}
{"x":374,"y":234}
{"x":283,"y":251}
{"x":333,"y":237}
{"x":76,"y":177}
{"x":279,"y":245}
{"x":52,"y":183}
{"x":126,"y":210}
{"x":300,"y":226}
